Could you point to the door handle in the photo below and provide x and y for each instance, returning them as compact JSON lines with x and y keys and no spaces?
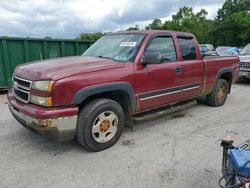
{"x":177,"y":70}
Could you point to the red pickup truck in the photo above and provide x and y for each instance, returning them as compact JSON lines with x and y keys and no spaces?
{"x":92,"y":96}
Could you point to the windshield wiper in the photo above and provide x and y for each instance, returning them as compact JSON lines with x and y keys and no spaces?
{"x":100,"y":56}
{"x":108,"y":58}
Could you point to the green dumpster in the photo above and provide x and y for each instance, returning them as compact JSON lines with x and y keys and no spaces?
{"x":15,"y":51}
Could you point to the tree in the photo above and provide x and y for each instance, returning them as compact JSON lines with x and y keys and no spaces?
{"x":234,"y":30}
{"x":136,"y":27}
{"x":231,"y":27}
{"x":232,"y":24}
{"x":232,"y":6}
{"x":90,"y":36}
{"x":156,"y":24}
{"x":185,"y":13}
{"x":186,"y":20}
{"x":47,"y":37}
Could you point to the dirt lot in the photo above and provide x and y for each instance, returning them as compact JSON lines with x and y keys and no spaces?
{"x":181,"y":149}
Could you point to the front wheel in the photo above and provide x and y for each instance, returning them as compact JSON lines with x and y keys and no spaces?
{"x":219,"y":94}
{"x":100,"y":124}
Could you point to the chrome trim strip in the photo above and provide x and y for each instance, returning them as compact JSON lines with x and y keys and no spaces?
{"x":244,"y":69}
{"x":160,"y":95}
{"x":24,"y":91}
{"x":172,"y":92}
{"x":191,"y":88}
{"x":20,"y":99}
{"x":23,"y":87}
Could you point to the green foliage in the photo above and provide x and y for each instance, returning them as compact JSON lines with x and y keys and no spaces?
{"x":136,"y":27}
{"x":234,"y":30}
{"x":231,"y":26}
{"x":232,"y":6}
{"x":156,"y":24}
{"x":47,"y":37}
{"x":90,"y":36}
{"x":186,"y":20}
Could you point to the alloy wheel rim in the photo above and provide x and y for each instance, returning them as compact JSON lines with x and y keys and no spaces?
{"x":105,"y":126}
{"x":221,"y":94}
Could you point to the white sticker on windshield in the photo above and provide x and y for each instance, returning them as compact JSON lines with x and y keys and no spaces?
{"x":128,"y":44}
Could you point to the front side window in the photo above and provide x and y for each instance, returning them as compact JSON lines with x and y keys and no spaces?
{"x":120,"y":47}
{"x":164,"y":46}
{"x":187,"y":48}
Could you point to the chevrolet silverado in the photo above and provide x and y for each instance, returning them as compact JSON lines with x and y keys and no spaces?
{"x":91,"y":97}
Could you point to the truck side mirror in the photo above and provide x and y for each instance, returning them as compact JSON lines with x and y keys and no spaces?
{"x":151,"y":58}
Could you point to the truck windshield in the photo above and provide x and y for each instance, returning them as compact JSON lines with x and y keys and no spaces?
{"x":245,"y":50}
{"x":119,"y":47}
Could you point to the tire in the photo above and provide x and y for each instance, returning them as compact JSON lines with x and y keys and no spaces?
{"x":100,"y":124}
{"x":219,"y":94}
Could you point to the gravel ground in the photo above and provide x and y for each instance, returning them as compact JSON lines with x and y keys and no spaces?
{"x":3,"y":99}
{"x":181,"y":149}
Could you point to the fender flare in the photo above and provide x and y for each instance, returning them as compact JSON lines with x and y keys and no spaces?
{"x":221,"y":72}
{"x":86,"y":92}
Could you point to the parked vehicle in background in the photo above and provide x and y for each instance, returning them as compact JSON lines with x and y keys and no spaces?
{"x":210,"y":47}
{"x":227,"y":51}
{"x":207,"y":49}
{"x":92,"y":96}
{"x":234,"y":51}
{"x":245,"y":62}
{"x":203,"y":48}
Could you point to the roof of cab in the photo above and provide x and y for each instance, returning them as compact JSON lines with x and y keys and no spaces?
{"x":153,"y":32}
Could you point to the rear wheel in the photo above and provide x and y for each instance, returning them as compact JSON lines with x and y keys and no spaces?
{"x":100,"y":124}
{"x":219,"y":94}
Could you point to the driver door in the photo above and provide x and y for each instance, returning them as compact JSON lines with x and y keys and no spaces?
{"x":160,"y":84}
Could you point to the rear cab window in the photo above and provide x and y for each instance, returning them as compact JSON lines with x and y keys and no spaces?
{"x":187,"y":46}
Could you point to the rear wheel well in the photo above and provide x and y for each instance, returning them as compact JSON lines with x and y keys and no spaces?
{"x":228,"y":77}
{"x":119,"y":96}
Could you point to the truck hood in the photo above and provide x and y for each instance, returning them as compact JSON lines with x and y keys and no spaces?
{"x":244,"y":58}
{"x":58,"y":68}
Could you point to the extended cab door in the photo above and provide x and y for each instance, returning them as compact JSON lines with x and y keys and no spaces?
{"x":191,"y":67}
{"x":159,"y":84}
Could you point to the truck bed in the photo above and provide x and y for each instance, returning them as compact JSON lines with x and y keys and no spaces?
{"x":214,"y":64}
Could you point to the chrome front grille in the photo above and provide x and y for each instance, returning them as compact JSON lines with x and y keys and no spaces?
{"x":244,"y":65}
{"x":21,"y":89}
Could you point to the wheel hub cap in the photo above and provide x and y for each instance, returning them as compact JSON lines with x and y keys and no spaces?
{"x":104,"y":126}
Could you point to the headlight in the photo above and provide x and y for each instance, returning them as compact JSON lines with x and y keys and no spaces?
{"x":42,"y":101}
{"x":44,"y":85}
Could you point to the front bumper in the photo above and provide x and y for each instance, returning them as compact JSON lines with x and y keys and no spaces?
{"x":52,"y":123}
{"x":244,"y":73}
